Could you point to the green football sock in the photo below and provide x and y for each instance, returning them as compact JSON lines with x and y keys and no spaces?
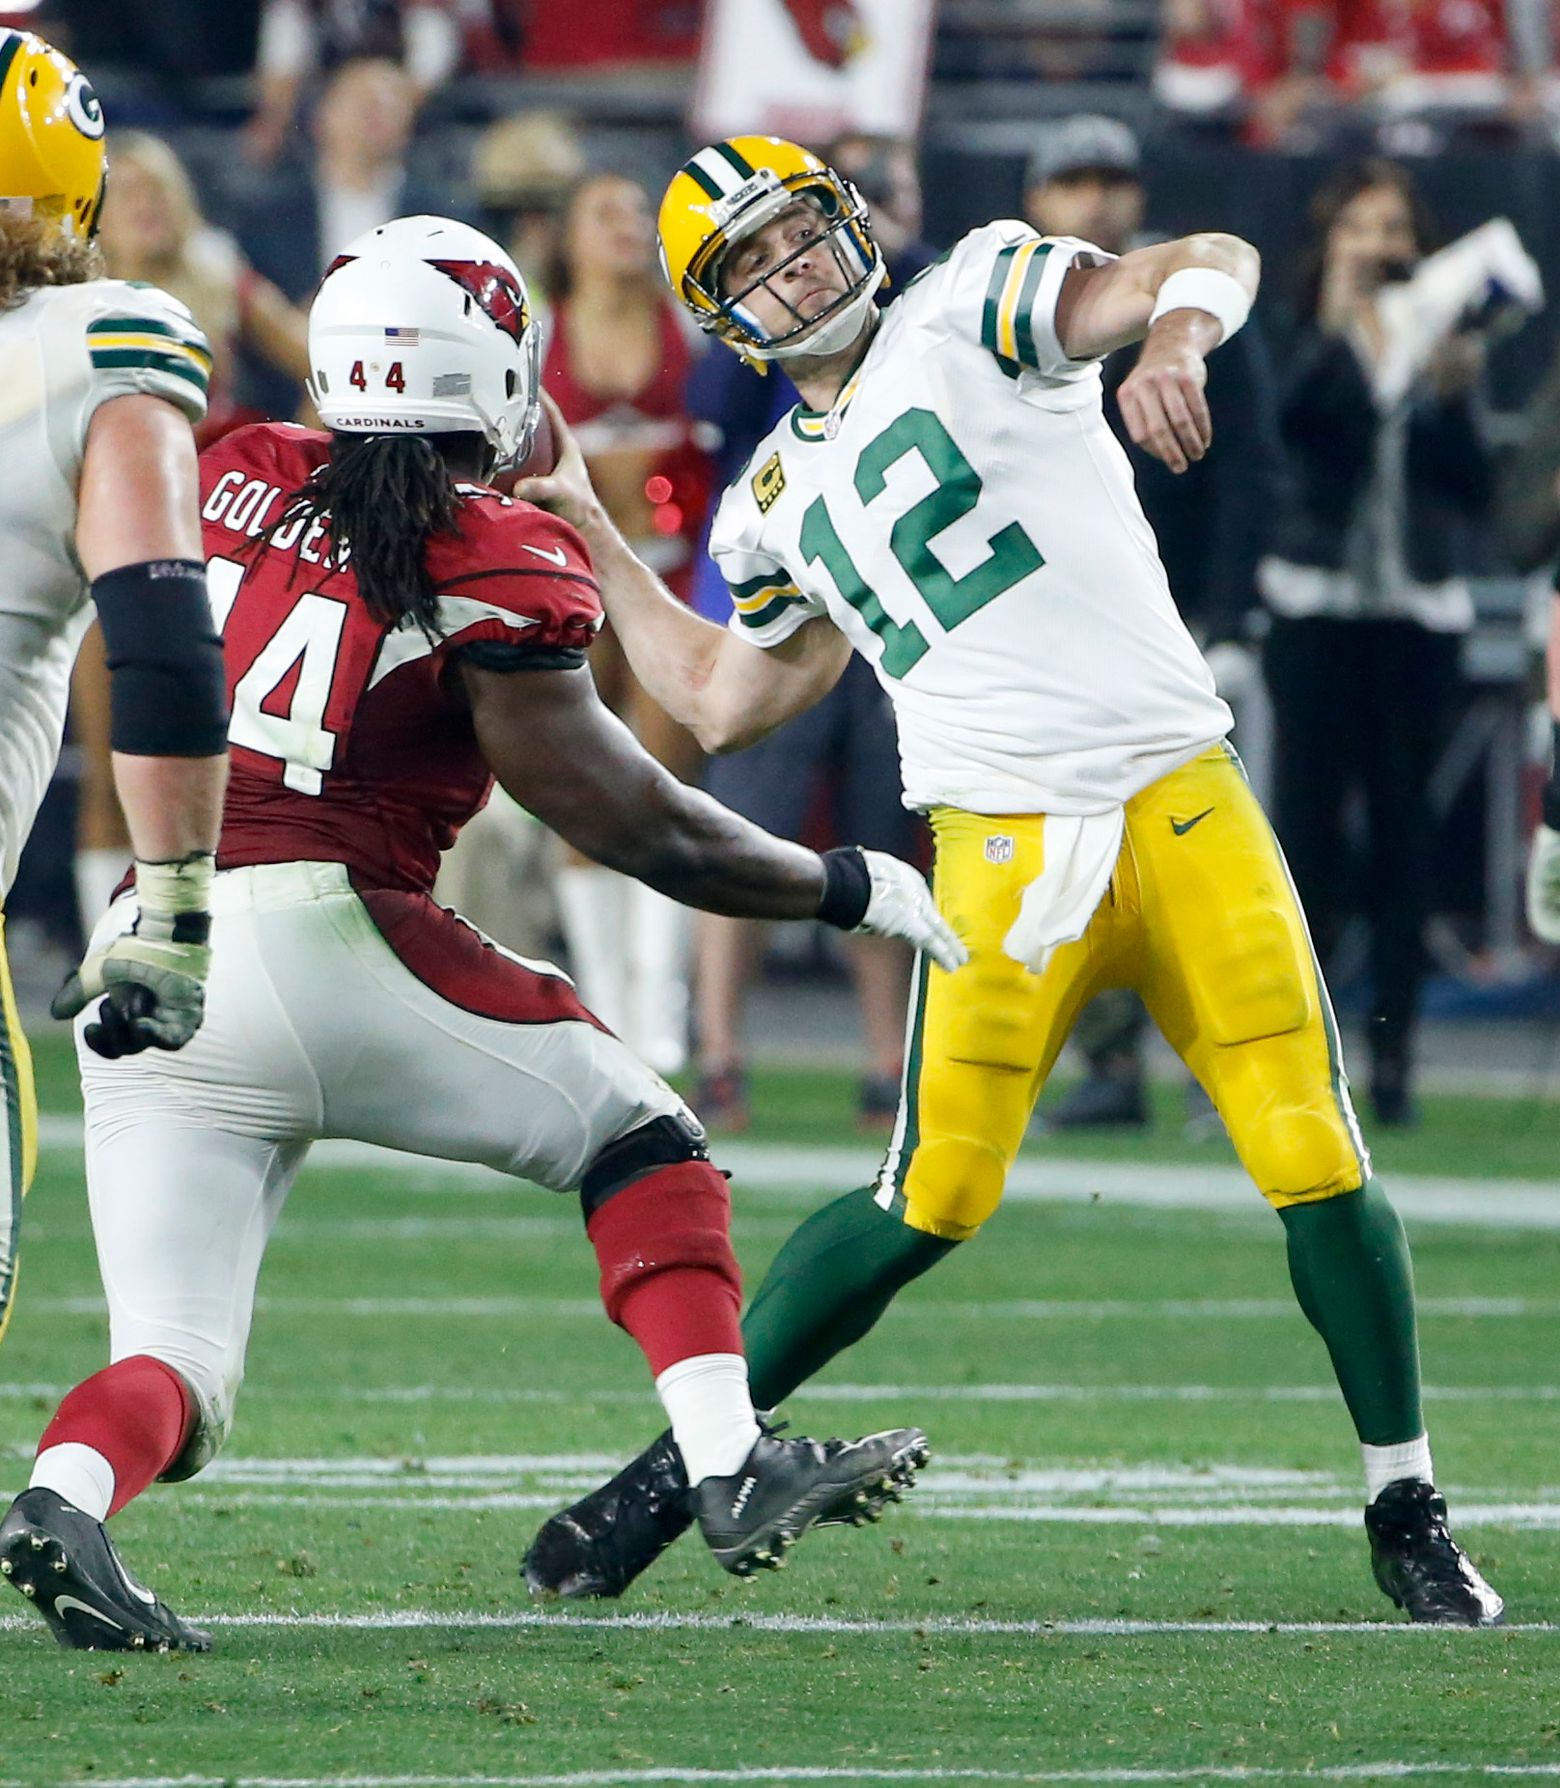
{"x":1349,"y":1262}
{"x":835,"y":1276}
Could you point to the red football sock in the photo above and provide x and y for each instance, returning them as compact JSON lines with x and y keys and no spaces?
{"x":137,"y":1413}
{"x":668,"y":1275}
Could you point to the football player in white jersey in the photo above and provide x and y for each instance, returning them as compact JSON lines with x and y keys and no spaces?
{"x":100,"y":383}
{"x":949,"y":501}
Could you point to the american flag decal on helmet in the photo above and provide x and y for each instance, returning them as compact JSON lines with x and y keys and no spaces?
{"x":495,"y":289}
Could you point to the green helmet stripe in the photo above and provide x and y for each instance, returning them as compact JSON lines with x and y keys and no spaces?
{"x":9,"y":51}
{"x":702,"y":180}
{"x":739,"y":161}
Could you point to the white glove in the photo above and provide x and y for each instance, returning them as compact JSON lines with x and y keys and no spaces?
{"x":154,"y":974}
{"x":1234,"y":668}
{"x":1543,"y":885}
{"x":902,"y":906}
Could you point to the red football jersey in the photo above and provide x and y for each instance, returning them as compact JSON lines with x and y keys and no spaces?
{"x":350,"y":742}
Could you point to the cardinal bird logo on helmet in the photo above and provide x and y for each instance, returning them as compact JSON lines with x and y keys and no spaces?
{"x":494,"y":288}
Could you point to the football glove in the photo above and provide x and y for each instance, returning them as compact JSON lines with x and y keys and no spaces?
{"x":1543,"y":885}
{"x":901,"y":905}
{"x":153,"y":976}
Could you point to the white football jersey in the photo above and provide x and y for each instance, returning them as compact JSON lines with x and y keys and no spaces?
{"x":965,"y":516}
{"x":63,"y":351}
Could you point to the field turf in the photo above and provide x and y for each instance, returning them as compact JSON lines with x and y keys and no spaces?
{"x":1137,"y":1556}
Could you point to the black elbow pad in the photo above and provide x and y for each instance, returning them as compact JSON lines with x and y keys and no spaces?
{"x":168,"y":695}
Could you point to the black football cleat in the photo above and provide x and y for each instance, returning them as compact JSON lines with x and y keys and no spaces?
{"x":65,"y":1564}
{"x":752,"y":1518}
{"x":600,"y":1545}
{"x":1420,"y":1566}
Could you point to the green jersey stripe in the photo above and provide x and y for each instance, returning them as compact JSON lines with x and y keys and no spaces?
{"x":700,"y":179}
{"x":745,"y":592}
{"x":191,"y":338}
{"x":1024,"y":323}
{"x":771,"y":611}
{"x":12,"y":1190}
{"x":1001,"y":268}
{"x":737,"y":159}
{"x":107,"y":358}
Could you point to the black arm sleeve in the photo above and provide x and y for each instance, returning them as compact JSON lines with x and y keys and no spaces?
{"x":168,"y":689}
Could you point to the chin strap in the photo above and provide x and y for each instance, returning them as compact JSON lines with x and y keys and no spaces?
{"x":833,"y":335}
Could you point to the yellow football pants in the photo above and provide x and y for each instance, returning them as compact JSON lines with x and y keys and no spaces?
{"x":18,"y":1132}
{"x":1201,"y":919}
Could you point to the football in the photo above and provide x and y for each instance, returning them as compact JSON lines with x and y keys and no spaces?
{"x":540,"y":460}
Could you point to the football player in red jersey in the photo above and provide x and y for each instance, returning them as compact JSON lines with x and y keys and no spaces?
{"x":397,"y":633}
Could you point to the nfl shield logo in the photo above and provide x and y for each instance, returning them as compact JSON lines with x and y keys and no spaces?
{"x":999,"y":848}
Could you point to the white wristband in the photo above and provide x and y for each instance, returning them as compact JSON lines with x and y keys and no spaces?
{"x":1204,"y":288}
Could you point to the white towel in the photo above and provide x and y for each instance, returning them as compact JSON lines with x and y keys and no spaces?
{"x":1080,"y":856}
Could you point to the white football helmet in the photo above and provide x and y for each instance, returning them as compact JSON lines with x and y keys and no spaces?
{"x":423,"y":326}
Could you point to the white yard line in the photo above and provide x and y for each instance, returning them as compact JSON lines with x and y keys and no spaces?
{"x":911,"y":1309}
{"x":952,"y":1625}
{"x":806,"y":1169}
{"x":802,"y":1772}
{"x":502,"y":1396}
{"x":956,"y":1488}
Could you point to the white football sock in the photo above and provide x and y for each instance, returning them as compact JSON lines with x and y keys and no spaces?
{"x":1385,"y":1465}
{"x":658,"y":979}
{"x":593,"y":907}
{"x":77,"y":1472}
{"x":98,"y":873}
{"x":707,"y":1402}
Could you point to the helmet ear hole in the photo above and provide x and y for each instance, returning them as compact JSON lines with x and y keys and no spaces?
{"x":510,"y":383}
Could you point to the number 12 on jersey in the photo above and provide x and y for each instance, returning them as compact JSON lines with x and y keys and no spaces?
{"x":308,"y":638}
{"x":1013,"y":555}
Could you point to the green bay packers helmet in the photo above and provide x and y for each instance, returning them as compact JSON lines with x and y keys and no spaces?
{"x":52,"y":156}
{"x":733,"y":188}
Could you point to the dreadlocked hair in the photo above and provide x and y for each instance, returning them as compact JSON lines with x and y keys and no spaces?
{"x":383,"y":498}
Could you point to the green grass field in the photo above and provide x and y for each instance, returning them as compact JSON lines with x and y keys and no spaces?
{"x":1137,"y":1555}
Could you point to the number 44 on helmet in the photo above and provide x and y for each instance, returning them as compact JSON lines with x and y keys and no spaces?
{"x":424,"y":325}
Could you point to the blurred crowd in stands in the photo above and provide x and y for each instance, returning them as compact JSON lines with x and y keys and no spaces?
{"x":1320,"y":553}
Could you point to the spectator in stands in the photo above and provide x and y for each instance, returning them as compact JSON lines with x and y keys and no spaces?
{"x":617,"y":364}
{"x":1085,"y":179}
{"x":153,"y":231}
{"x":1367,"y":604}
{"x":523,"y":169}
{"x":298,"y":37}
{"x":1311,"y":63}
{"x":1528,"y":512}
{"x":358,"y":180}
{"x":846,"y":748}
{"x":1211,"y":57}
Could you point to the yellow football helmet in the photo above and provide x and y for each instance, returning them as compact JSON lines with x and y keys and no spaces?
{"x":735,"y":187}
{"x":52,"y":156}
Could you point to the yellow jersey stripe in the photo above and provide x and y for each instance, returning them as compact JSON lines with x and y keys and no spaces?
{"x":1007,"y":309}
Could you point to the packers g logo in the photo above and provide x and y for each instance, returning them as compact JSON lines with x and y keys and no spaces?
{"x":768,"y":483}
{"x":84,"y":108}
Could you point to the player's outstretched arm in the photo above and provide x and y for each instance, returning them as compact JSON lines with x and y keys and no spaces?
{"x":138,"y":540}
{"x":726,"y":691}
{"x":1181,"y":299}
{"x":564,"y":756}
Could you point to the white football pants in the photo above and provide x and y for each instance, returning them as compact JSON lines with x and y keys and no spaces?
{"x":375,"y":1016}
